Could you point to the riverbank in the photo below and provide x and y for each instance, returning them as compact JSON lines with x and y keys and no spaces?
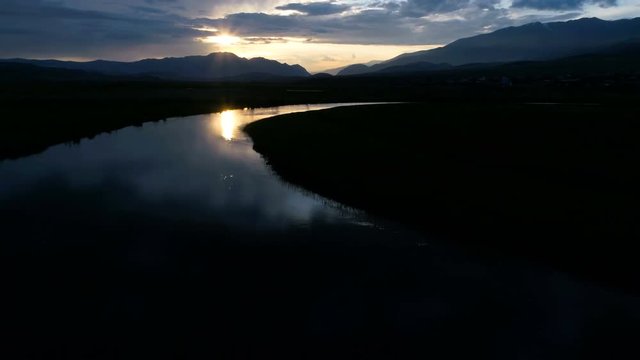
{"x":37,"y":114}
{"x":555,"y":183}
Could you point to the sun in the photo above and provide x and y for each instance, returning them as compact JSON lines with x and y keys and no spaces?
{"x":223,"y":39}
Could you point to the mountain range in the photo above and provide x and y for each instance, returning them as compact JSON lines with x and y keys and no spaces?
{"x":530,"y":42}
{"x":215,"y":66}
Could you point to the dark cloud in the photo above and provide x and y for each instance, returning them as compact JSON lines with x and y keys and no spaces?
{"x":389,"y":5}
{"x":418,"y":8}
{"x":560,"y":4}
{"x":250,"y":24}
{"x":38,"y":28}
{"x":148,"y":9}
{"x":316,"y":8}
{"x":264,"y":40}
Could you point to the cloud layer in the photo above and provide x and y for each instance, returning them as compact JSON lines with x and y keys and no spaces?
{"x":316,"y":8}
{"x":130,"y":29}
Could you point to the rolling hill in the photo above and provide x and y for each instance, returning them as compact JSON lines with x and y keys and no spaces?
{"x":214,"y":66}
{"x":531,"y":42}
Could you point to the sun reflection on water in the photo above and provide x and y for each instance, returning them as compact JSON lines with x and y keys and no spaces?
{"x":228,"y":124}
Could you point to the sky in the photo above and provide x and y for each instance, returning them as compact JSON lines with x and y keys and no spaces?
{"x":318,"y":35}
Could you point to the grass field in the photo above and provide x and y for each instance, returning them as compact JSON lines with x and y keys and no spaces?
{"x":556,"y":183}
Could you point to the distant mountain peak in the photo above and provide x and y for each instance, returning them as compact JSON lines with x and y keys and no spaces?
{"x":216,"y":65}
{"x":588,"y":19}
{"x":532,"y":41}
{"x":222,"y":53}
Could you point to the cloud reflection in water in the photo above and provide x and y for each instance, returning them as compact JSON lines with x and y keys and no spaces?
{"x":202,"y":162}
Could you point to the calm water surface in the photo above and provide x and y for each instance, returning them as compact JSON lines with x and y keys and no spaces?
{"x":202,"y":162}
{"x":175,"y":240}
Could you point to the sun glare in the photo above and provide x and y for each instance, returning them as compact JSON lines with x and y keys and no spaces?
{"x":228,"y":124}
{"x":222,"y":39}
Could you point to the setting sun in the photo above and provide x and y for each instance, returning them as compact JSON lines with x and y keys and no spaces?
{"x":223,"y":39}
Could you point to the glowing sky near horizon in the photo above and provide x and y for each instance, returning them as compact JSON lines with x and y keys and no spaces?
{"x":318,"y":34}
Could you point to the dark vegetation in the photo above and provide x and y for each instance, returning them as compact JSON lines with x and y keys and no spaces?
{"x":555,"y":183}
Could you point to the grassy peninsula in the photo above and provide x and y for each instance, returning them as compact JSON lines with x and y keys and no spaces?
{"x":556,"y":183}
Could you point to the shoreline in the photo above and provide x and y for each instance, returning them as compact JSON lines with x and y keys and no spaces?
{"x":36,"y":115}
